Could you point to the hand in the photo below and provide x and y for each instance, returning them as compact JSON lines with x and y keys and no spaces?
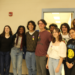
{"x":69,"y":65}
{"x":46,"y":66}
{"x":57,"y":70}
{"x":47,"y":56}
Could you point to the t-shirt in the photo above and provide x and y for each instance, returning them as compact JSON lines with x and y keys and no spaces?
{"x":57,"y":51}
{"x":19,"y":42}
{"x":71,"y":50}
{"x":65,"y":38}
{"x":5,"y":44}
{"x":44,"y":39}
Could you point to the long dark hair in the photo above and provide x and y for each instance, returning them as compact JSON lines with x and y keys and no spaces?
{"x":60,"y":37}
{"x":3,"y":33}
{"x":23,"y":35}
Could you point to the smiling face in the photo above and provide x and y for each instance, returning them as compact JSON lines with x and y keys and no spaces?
{"x":7,"y":30}
{"x":72,"y":34}
{"x":64,"y":29}
{"x":41,"y":25}
{"x":31,"y":27}
{"x":55,"y":34}
{"x":21,"y":30}
{"x":52,"y":28}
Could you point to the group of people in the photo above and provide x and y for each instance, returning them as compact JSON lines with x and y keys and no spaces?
{"x":46,"y":50}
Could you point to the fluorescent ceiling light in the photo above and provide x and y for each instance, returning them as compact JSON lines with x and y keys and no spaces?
{"x":56,"y":17}
{"x":55,"y":13}
{"x":57,"y":21}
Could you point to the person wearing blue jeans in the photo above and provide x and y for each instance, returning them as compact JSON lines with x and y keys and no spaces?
{"x":17,"y":50}
{"x":31,"y":64}
{"x":5,"y":62}
{"x":16,"y":57}
{"x":31,"y":42}
{"x":56,"y":52}
{"x":5,"y":47}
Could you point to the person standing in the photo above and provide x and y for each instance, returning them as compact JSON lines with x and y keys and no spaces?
{"x":44,"y":38}
{"x":65,"y":38}
{"x":5,"y":48}
{"x":65,"y":32}
{"x":52,"y":26}
{"x":31,"y":42}
{"x":56,"y":53}
{"x":70,"y":60}
{"x":18,"y":43}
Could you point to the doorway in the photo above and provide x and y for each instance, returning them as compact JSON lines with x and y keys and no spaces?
{"x":58,"y":16}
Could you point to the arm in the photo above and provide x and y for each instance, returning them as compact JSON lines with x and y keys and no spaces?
{"x":62,"y":54}
{"x":59,"y":64}
{"x":48,"y":52}
{"x":47,"y":63}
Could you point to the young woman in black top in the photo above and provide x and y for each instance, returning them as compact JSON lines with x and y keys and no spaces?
{"x":70,"y":60}
{"x":17,"y":50}
{"x":5,"y":47}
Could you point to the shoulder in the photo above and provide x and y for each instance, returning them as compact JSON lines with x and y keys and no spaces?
{"x":27,"y":32}
{"x":14,"y":36}
{"x":62,"y":43}
{"x":36,"y":32}
{"x":47,"y":32}
{"x":70,"y":41}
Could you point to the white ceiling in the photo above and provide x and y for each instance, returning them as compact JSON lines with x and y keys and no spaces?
{"x":64,"y":17}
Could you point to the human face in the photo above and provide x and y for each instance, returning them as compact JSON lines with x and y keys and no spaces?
{"x":21,"y":30}
{"x":52,"y":28}
{"x":30,"y":26}
{"x":55,"y":34}
{"x":7,"y":30}
{"x":64,"y":29}
{"x":41,"y":25}
{"x":72,"y":34}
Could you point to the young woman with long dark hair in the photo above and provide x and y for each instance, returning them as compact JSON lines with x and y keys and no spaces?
{"x":56,"y":53}
{"x":17,"y":50}
{"x":5,"y":47}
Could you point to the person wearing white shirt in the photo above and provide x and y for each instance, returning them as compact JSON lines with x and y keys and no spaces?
{"x":56,"y":53}
{"x":65,"y":37}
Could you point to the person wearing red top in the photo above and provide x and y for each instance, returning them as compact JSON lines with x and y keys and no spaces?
{"x":44,"y":38}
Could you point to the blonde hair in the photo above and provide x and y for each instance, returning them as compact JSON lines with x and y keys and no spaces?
{"x":72,"y":23}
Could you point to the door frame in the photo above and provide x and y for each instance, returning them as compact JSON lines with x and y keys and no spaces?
{"x":67,"y":10}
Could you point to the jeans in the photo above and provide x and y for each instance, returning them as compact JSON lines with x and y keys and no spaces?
{"x":5,"y":62}
{"x":53,"y":63}
{"x":31,"y":63}
{"x":41,"y":65}
{"x":16,"y":57}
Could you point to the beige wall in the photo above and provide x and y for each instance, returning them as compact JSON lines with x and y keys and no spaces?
{"x":25,"y":10}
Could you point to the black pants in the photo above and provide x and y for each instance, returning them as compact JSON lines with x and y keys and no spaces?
{"x":4,"y":62}
{"x":70,"y":71}
{"x":65,"y":66}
